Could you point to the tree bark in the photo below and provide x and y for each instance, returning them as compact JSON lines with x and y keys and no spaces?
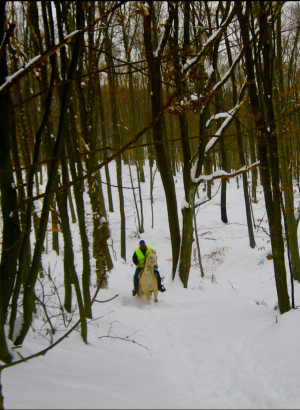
{"x":241,"y":150}
{"x":283,"y":151}
{"x":267,"y":144}
{"x":161,"y":156}
{"x":112,"y":82}
{"x":28,"y":300}
{"x":11,"y":229}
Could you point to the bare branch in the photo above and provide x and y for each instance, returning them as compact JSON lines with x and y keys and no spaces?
{"x":44,"y":351}
{"x":223,"y":174}
{"x":40,"y":59}
{"x":126,"y":339}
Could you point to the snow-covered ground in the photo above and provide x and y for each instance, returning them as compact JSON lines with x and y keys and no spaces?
{"x":221,"y":343}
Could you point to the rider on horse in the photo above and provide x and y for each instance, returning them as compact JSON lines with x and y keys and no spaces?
{"x":139,"y":258}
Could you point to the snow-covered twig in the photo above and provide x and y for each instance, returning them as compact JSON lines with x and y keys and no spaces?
{"x":37,"y":61}
{"x":223,"y":174}
{"x":191,"y":63}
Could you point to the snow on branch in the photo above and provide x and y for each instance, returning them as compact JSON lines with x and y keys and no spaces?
{"x":217,"y":116}
{"x":223,"y":174}
{"x":38,"y":60}
{"x":190,"y":63}
{"x":229,"y":117}
{"x":163,"y":41}
{"x":229,"y":71}
{"x":33,"y":63}
{"x":18,"y":74}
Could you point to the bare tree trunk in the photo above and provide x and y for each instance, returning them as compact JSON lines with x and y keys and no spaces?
{"x":112,"y":81}
{"x":77,"y":172}
{"x":241,"y":150}
{"x":224,"y":167}
{"x":28,"y":301}
{"x":104,"y":142}
{"x":70,"y":276}
{"x":163,"y":164}
{"x":266,"y":142}
{"x":285,"y":171}
{"x":11,"y":228}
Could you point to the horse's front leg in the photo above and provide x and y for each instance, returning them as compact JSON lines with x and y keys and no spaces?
{"x":147,"y":294}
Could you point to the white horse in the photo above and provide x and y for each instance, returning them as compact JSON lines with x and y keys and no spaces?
{"x":148,"y":283}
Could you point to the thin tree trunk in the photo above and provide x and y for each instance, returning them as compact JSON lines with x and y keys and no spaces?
{"x":241,"y":150}
{"x":104,"y":142}
{"x":140,"y":174}
{"x":112,"y":81}
{"x":223,"y":184}
{"x":70,"y":276}
{"x":28,"y":301}
{"x":135,"y":201}
{"x":77,"y":171}
{"x":198,"y":245}
{"x":152,"y":175}
{"x":266,"y":141}
{"x":285,"y":170}
{"x":100,"y":248}
{"x":11,"y":228}
{"x":162,"y":161}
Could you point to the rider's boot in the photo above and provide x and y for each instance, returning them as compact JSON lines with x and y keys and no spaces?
{"x":161,"y":287}
{"x":135,"y":289}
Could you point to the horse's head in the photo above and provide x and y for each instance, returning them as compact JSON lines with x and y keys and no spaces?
{"x":152,"y":260}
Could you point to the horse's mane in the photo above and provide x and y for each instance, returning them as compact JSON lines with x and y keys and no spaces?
{"x":150,"y":253}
